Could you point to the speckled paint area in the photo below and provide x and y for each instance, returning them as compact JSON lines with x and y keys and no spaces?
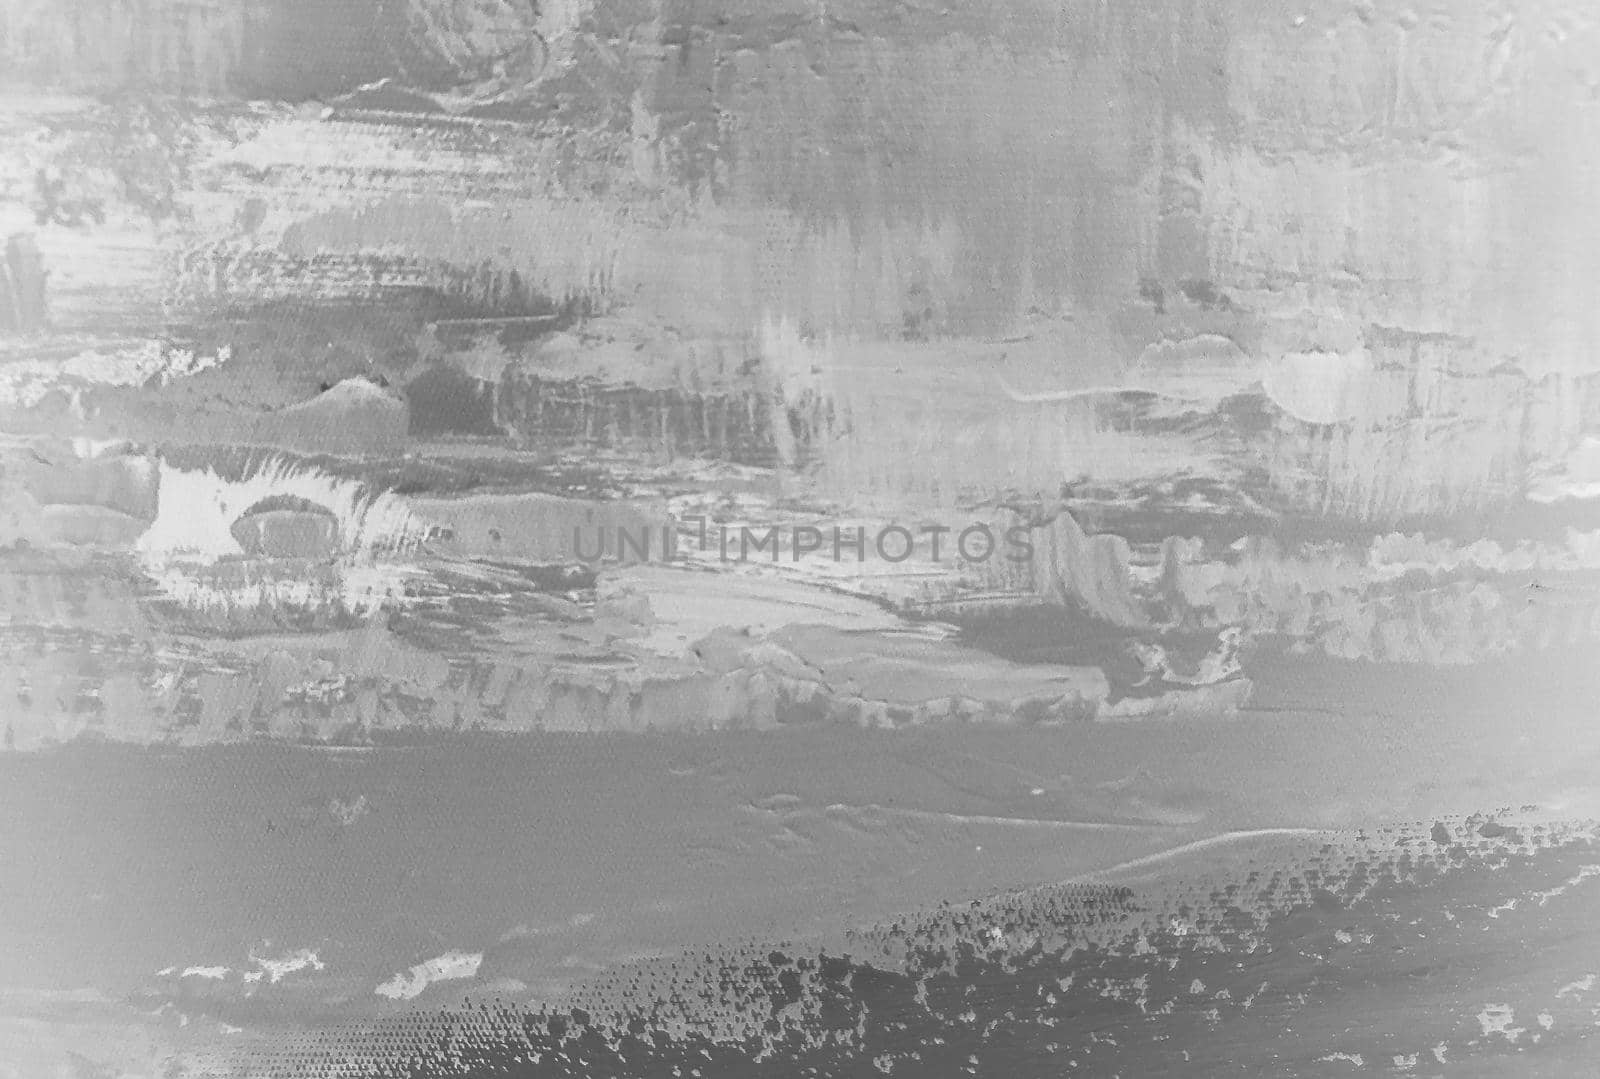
{"x":603,"y":537}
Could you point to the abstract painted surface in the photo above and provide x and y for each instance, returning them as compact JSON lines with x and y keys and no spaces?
{"x":603,"y":537}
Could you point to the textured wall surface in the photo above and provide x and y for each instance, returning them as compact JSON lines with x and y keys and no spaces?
{"x":383,"y":384}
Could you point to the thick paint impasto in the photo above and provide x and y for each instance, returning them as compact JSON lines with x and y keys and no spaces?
{"x":667,"y":538}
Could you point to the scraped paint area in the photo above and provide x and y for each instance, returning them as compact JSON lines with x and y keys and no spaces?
{"x":517,"y":500}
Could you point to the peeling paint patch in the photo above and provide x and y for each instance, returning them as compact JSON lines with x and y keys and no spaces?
{"x":451,"y":966}
{"x":1573,"y":989}
{"x":1498,"y":1019}
{"x":212,"y":973}
{"x":289,"y":963}
{"x":1355,"y":1059}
